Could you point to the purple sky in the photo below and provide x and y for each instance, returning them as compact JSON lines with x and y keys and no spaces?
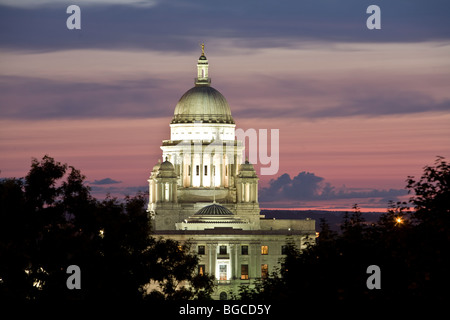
{"x":358,"y":110}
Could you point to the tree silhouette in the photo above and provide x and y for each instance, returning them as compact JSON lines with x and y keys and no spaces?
{"x":411,"y":247}
{"x":49,"y":221}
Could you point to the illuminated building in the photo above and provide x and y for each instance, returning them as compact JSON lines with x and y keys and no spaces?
{"x":203,"y":192}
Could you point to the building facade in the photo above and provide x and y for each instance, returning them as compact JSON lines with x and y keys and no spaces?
{"x":203,"y":192}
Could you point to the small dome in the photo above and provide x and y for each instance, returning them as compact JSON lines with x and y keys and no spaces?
{"x":204,"y":104}
{"x":166,"y":170}
{"x":214,"y":209}
{"x":166,"y":166}
{"x":247,"y":166}
{"x":246,"y":170}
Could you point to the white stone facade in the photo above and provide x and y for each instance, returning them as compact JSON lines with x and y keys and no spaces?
{"x":206,"y":194}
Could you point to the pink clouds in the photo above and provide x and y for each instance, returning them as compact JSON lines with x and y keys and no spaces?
{"x":360,"y":115}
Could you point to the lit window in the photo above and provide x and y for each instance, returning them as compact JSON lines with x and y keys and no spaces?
{"x":244,"y":271}
{"x":201,"y":269}
{"x":264,"y":270}
{"x":244,"y":250}
{"x":264,"y":250}
{"x":223,"y":272}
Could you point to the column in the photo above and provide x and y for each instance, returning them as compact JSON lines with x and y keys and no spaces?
{"x":256,"y":255}
{"x":234,"y":261}
{"x":211,"y":176}
{"x":252,"y":192}
{"x":160,"y":187}
{"x":227,"y":171}
{"x":222,"y":173}
{"x":212,"y":256}
{"x":252,"y":270}
{"x":174,"y":192}
{"x":192,"y":168}
{"x":202,"y":171}
{"x":233,"y":169}
{"x":150,"y":191}
{"x":181,"y":171}
{"x":239,"y":191}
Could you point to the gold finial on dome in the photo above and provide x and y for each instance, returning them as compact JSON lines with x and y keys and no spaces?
{"x":203,"y":48}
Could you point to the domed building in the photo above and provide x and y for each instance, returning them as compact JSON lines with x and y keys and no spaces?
{"x":205,"y":193}
{"x":205,"y":160}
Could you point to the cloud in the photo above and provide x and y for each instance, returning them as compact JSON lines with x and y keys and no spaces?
{"x":386,"y":102}
{"x":35,"y":98}
{"x":47,"y":3}
{"x":315,"y":103}
{"x":307,"y":186}
{"x":105,"y":181}
{"x":172,"y":26}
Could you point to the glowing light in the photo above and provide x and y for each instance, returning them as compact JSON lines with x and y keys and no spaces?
{"x":101,"y":233}
{"x":398,"y":220}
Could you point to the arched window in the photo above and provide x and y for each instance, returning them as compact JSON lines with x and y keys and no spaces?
{"x":223,"y":295}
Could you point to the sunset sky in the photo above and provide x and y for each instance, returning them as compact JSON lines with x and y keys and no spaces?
{"x":357,"y":110}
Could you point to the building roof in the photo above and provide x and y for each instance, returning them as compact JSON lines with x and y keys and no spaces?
{"x":202,"y":104}
{"x":214,"y":209}
{"x":232,"y":231}
{"x":166,"y":166}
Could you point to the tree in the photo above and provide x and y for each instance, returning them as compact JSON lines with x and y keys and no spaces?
{"x":412,"y":249}
{"x":49,"y":221}
{"x":431,"y":232}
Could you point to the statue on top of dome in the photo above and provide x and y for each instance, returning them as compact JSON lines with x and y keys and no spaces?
{"x":203,"y":48}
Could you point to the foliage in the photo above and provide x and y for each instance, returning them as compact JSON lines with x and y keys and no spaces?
{"x":411,"y":247}
{"x":49,"y":220}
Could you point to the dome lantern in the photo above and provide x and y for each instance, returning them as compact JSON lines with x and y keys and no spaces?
{"x":202,"y":103}
{"x":202,"y":70}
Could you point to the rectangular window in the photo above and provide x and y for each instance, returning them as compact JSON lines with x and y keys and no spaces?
{"x":206,"y":170}
{"x":226,"y":170}
{"x":223,"y":250}
{"x":283,"y":249}
{"x":264,"y":250}
{"x":244,"y":271}
{"x":201,"y":250}
{"x":223,"y":272}
{"x":244,"y":250}
{"x":264,"y":270}
{"x":197,"y":170}
{"x":189,"y":170}
{"x":201,"y":269}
